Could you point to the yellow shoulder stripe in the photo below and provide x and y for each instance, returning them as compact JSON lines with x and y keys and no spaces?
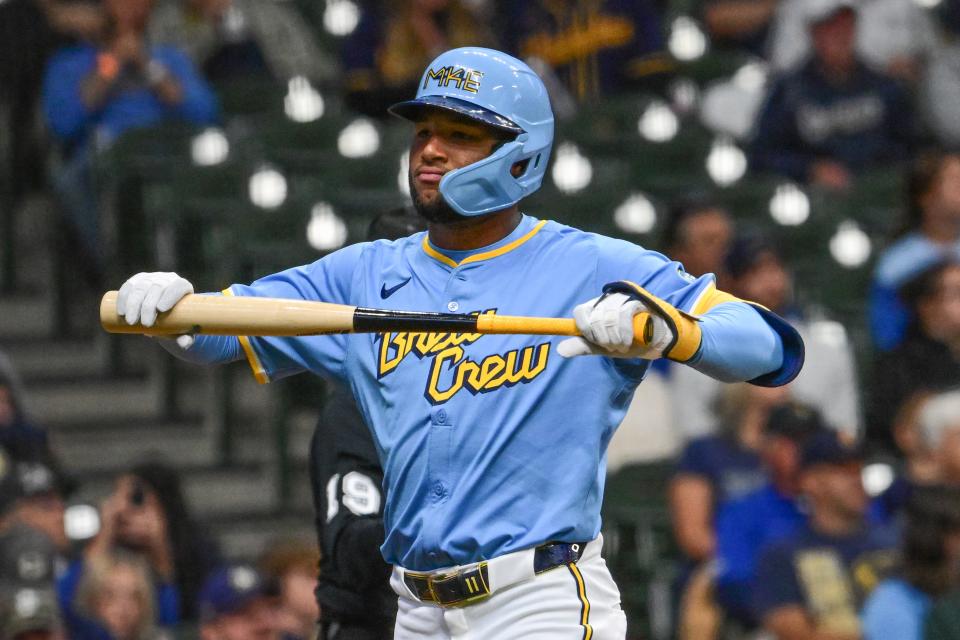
{"x":258,"y":371}
{"x":486,"y":255}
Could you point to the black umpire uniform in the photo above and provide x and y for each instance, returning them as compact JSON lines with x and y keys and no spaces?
{"x":353,"y":591}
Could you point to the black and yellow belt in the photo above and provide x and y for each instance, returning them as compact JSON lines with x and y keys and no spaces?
{"x":471,"y":583}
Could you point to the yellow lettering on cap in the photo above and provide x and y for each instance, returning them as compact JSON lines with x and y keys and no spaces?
{"x":462,"y":78}
{"x":473,"y":81}
{"x":434,"y":74}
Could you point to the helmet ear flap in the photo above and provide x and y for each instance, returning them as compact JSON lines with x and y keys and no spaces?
{"x":486,"y":185}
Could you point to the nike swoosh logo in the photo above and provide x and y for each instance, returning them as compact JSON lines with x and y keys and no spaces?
{"x":386,"y":293}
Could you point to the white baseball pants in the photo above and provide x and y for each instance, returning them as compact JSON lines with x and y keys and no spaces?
{"x":569,"y":602}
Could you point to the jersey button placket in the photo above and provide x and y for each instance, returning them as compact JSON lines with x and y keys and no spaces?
{"x":440,"y":454}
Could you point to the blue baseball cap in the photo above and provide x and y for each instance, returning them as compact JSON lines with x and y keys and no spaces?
{"x":229,"y":589}
{"x":826,"y":448}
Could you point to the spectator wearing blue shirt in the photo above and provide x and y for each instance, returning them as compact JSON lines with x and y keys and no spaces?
{"x":770,"y":514}
{"x":898,"y":607}
{"x":930,"y":233}
{"x":130,"y":520}
{"x":92,"y":93}
{"x":115,"y":601}
{"x":715,"y":470}
{"x":834,"y":116}
{"x":811,"y":585}
{"x":147,"y":514}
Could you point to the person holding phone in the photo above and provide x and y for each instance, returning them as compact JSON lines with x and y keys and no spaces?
{"x":146,"y":514}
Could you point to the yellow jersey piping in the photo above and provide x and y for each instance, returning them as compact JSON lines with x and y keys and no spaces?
{"x":258,"y":371}
{"x":486,"y":255}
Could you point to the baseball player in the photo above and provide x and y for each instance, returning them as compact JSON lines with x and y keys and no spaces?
{"x":493,"y":446}
{"x":353,"y":591}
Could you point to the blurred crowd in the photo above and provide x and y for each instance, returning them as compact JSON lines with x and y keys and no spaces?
{"x":828,"y":509}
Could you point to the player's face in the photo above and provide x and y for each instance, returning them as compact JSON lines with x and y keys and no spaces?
{"x":443,"y":142}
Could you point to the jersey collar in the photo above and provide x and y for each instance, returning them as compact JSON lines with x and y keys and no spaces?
{"x":527,"y":228}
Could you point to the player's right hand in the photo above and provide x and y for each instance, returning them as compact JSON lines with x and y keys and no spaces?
{"x":146,"y":294}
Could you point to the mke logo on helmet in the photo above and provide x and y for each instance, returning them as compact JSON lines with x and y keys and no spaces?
{"x":463,"y":78}
{"x":452,"y":371}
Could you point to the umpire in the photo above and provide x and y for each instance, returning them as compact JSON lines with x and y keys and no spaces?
{"x":353,"y":591}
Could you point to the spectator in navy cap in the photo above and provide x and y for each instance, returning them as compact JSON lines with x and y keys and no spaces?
{"x":813,"y":584}
{"x":235,"y":605}
{"x":769,"y":514}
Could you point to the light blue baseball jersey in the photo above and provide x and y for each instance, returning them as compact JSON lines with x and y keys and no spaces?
{"x":489,"y":443}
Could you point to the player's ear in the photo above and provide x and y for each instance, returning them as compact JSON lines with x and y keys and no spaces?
{"x":518,"y":168}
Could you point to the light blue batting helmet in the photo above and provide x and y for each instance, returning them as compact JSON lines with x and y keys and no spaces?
{"x":503,"y":92}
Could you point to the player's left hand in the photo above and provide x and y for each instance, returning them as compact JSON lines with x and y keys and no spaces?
{"x":606,"y":327}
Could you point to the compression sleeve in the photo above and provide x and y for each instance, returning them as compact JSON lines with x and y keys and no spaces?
{"x":737,"y":344}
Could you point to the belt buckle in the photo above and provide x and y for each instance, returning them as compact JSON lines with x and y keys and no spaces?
{"x":453,"y":588}
{"x":420,"y":585}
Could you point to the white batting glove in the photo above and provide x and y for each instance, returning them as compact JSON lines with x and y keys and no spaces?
{"x":146,"y":294}
{"x":606,"y":327}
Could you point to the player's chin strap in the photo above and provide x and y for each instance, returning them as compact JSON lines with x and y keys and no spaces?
{"x":684,"y":327}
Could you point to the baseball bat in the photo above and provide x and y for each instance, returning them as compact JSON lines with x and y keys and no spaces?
{"x":252,"y":316}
